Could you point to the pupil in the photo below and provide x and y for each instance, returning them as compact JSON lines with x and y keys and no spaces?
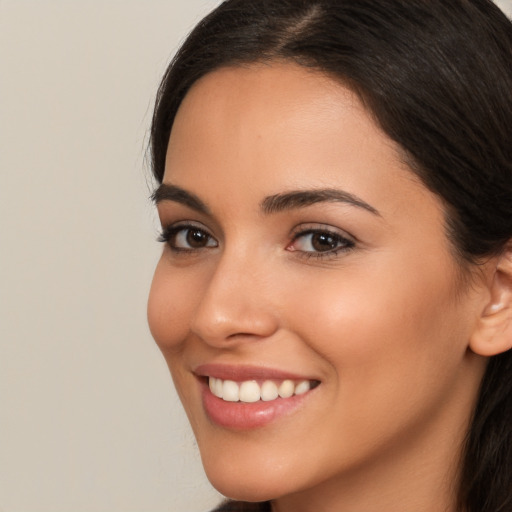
{"x":196,"y":238}
{"x":323,"y":242}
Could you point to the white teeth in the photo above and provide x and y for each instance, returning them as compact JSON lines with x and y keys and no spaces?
{"x":216,"y":386}
{"x":250,"y":391}
{"x":211,"y":383}
{"x":230,"y":391}
{"x":302,"y":387}
{"x":269,"y":391}
{"x":286,"y":389}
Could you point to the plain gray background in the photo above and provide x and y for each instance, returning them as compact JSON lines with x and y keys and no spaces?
{"x":89,"y":420}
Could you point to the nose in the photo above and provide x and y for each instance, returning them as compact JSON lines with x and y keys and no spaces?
{"x":236,"y":305}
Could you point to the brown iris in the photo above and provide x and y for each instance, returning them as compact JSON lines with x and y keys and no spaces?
{"x":197,"y":238}
{"x":323,"y":242}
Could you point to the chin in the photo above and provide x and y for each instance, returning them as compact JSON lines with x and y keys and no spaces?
{"x":249,"y":480}
{"x":241,"y":490}
{"x":259,"y":473}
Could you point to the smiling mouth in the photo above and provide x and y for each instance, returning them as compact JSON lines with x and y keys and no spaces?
{"x":251,"y":391}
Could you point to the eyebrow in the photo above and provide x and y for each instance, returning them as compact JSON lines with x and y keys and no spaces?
{"x":271,"y":204}
{"x":302,"y":198}
{"x":166,"y":192}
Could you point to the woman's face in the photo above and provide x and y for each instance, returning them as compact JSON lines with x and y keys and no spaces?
{"x":304,"y":257}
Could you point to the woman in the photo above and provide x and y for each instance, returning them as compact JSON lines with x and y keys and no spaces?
{"x":334,"y":298}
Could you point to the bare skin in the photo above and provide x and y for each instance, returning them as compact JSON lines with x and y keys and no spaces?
{"x":360,"y":293}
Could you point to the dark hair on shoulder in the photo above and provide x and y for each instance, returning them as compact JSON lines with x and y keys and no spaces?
{"x":437,"y":77}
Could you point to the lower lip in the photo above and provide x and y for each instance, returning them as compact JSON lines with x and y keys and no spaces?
{"x":246,"y":416}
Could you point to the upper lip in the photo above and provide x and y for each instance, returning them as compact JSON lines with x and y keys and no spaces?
{"x":245,"y":372}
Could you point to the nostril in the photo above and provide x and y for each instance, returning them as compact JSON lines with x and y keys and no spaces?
{"x":243,"y":335}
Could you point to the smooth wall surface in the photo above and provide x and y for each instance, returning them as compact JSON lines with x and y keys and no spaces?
{"x":89,"y":420}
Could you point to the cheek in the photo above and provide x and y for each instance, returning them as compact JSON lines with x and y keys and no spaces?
{"x":170,"y":307}
{"x":391,"y":350}
{"x":362,"y":322}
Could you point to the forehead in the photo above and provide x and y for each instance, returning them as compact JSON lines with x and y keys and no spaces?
{"x":278,"y":126}
{"x":271,"y":99}
{"x":283,"y":86}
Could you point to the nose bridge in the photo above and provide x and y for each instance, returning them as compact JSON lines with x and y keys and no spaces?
{"x":235,"y":303}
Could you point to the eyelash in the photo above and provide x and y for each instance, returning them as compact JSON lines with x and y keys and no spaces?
{"x":344,"y":244}
{"x":169,"y":234}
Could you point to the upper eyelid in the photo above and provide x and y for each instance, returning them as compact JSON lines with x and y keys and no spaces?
{"x":303,"y":229}
{"x":175,"y":227}
{"x":184,"y":224}
{"x":170,"y":217}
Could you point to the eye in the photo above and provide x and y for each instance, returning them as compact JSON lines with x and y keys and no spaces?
{"x":187,"y":238}
{"x":320,"y":242}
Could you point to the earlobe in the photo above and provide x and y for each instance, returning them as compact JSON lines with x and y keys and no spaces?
{"x":493,"y":334}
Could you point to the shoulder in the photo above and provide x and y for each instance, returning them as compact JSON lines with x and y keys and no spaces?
{"x":242,"y":506}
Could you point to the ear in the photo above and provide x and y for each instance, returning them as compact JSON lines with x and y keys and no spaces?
{"x":493,"y":333}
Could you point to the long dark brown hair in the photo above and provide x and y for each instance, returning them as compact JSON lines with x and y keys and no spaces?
{"x":437,"y":76}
